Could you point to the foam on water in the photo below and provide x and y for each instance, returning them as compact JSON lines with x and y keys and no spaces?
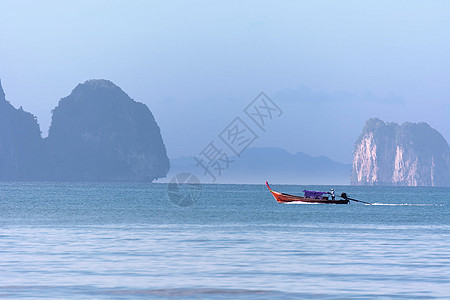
{"x":406,"y":204}
{"x":299,"y":202}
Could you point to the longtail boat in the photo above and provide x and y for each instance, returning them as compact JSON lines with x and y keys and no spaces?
{"x":309,"y":197}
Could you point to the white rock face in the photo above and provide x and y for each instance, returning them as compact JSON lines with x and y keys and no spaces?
{"x":413,"y":154}
{"x":365,"y":161}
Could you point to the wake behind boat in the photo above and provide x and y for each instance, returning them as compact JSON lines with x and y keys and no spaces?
{"x":309,"y":197}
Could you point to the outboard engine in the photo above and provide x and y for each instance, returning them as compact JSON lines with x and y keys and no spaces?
{"x":344,"y":195}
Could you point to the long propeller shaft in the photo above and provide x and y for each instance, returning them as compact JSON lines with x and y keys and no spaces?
{"x":359,"y":201}
{"x":344,"y":195}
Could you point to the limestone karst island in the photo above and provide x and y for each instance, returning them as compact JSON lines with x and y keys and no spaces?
{"x":412,"y":154}
{"x":98,"y":133}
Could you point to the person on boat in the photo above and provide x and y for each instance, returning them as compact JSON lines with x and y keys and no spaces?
{"x":332,"y":194}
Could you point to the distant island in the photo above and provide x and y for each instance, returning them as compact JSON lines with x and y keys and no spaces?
{"x":412,"y":154}
{"x":256,"y":165}
{"x":98,"y":133}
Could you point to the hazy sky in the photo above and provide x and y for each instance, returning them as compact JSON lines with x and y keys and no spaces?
{"x":329,"y":65}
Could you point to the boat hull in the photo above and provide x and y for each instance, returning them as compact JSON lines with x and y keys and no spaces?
{"x":286,"y":198}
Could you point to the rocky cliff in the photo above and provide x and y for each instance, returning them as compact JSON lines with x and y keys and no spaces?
{"x":20,"y":143}
{"x":413,"y":154}
{"x":98,"y":133}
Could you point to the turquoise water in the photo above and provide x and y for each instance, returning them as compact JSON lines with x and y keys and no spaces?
{"x":103,"y":241}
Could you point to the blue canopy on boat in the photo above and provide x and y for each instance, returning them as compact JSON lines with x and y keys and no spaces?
{"x":314,"y":194}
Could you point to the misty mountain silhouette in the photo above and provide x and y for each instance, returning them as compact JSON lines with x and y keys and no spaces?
{"x":256,"y":165}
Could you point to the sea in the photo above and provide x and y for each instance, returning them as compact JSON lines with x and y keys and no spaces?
{"x":133,"y":241}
